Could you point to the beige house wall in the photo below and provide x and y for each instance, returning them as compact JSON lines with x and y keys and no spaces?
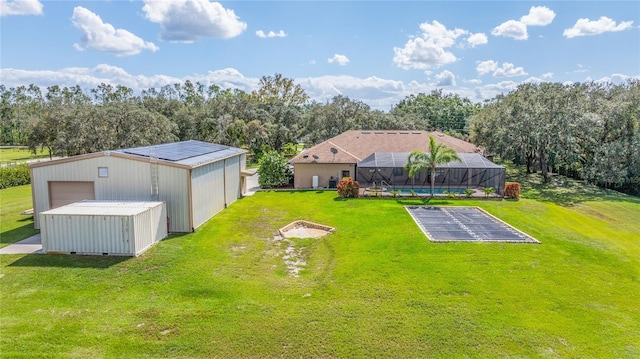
{"x":304,"y":172}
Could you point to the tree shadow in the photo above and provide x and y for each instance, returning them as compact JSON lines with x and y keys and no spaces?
{"x":563,"y":191}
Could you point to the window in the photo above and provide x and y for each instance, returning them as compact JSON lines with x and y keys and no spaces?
{"x":345,"y":174}
{"x":103,"y":172}
{"x":398,"y":171}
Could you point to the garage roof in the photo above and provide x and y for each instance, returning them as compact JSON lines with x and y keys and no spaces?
{"x":191,"y":153}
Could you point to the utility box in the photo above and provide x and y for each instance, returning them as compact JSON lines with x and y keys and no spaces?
{"x":117,"y":228}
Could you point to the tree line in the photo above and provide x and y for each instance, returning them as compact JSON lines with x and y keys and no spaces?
{"x":585,"y":130}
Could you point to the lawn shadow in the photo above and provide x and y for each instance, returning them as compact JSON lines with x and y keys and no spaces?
{"x":17,"y":234}
{"x":68,"y":261}
{"x":563,"y":191}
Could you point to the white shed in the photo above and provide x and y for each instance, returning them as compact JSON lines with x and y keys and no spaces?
{"x":195,"y":179}
{"x":103,"y":227}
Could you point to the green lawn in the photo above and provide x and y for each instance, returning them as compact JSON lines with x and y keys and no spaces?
{"x":374,"y":288}
{"x":19,"y":154}
{"x":13,"y":225}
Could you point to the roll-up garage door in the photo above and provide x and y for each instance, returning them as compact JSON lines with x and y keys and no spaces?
{"x":65,"y":192}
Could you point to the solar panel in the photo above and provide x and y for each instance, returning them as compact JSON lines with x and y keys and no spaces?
{"x":177,"y":151}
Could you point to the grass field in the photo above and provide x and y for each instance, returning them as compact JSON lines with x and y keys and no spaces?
{"x":19,"y":155}
{"x":374,"y":288}
{"x":13,"y":225}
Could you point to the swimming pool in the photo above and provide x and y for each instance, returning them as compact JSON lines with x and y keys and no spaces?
{"x":428,"y":190}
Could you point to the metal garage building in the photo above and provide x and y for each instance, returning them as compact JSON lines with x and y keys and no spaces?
{"x":103,"y":227}
{"x":195,"y":179}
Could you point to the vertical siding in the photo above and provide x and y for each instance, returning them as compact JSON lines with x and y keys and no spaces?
{"x":87,"y":234}
{"x":114,"y":234}
{"x":207,"y":190}
{"x":128,"y":180}
{"x":173,"y":185}
{"x":233,"y":184}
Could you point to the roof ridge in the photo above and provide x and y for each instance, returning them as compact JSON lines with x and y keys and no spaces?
{"x":351,"y":154}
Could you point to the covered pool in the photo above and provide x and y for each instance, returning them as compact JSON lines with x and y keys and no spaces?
{"x":464,"y":224}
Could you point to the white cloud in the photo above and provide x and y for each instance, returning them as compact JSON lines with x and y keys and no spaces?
{"x":538,"y":16}
{"x":517,"y":29}
{"x":511,"y":28}
{"x":20,"y":7}
{"x":586,"y":27}
{"x":477,"y":39}
{"x":191,"y":20}
{"x":446,"y":78}
{"x":377,"y":92}
{"x":547,"y":75}
{"x":264,"y":35}
{"x":104,"y":37}
{"x":485,"y":67}
{"x":428,"y":49}
{"x":506,"y":70}
{"x":341,"y":60}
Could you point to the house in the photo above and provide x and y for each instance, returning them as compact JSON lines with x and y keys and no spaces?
{"x":375,"y":156}
{"x":195,"y":179}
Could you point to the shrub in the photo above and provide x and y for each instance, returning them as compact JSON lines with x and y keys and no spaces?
{"x":348,"y":188}
{"x":468,"y":192}
{"x":12,"y":176}
{"x":274,"y":170}
{"x":512,"y":190}
{"x":488,"y":191}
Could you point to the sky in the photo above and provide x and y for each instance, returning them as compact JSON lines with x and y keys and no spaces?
{"x":377,"y":52}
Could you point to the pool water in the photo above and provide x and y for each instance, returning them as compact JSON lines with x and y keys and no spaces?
{"x":428,"y":190}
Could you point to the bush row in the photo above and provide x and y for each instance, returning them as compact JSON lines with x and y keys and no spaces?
{"x":12,"y":176}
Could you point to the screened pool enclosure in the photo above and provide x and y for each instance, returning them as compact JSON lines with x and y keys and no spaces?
{"x":386,"y":169}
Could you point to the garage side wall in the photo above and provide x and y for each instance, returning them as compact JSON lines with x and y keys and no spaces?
{"x":233,"y":183}
{"x":207,"y":192}
{"x":173,"y":189}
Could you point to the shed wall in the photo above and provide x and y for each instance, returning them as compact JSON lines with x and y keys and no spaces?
{"x":98,"y":234}
{"x":207,"y":192}
{"x":233,"y":184}
{"x":127,"y":180}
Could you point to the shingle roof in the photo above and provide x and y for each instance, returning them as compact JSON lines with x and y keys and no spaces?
{"x":355,"y":145}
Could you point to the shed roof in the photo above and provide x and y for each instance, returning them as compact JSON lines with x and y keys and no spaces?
{"x":185,"y":154}
{"x":191,"y":153}
{"x":355,"y":145}
{"x":104,"y":208}
{"x":399,"y":159}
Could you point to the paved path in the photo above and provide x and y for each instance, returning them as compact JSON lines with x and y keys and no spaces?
{"x":32,"y":244}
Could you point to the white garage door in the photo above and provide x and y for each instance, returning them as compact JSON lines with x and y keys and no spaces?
{"x":61,"y":193}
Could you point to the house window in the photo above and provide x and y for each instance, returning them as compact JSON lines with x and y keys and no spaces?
{"x":346,"y":174}
{"x":103,"y":172}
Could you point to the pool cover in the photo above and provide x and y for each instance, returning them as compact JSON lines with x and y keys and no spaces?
{"x":449,"y":224}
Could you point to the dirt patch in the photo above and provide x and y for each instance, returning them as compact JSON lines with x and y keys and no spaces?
{"x":305,"y":229}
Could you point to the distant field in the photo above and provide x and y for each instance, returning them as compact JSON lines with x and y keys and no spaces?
{"x":376,"y":288}
{"x":17,"y":155}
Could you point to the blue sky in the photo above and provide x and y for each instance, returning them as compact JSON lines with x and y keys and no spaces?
{"x":377,"y":52}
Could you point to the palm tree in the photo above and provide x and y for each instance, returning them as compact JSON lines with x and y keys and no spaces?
{"x":438,"y":154}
